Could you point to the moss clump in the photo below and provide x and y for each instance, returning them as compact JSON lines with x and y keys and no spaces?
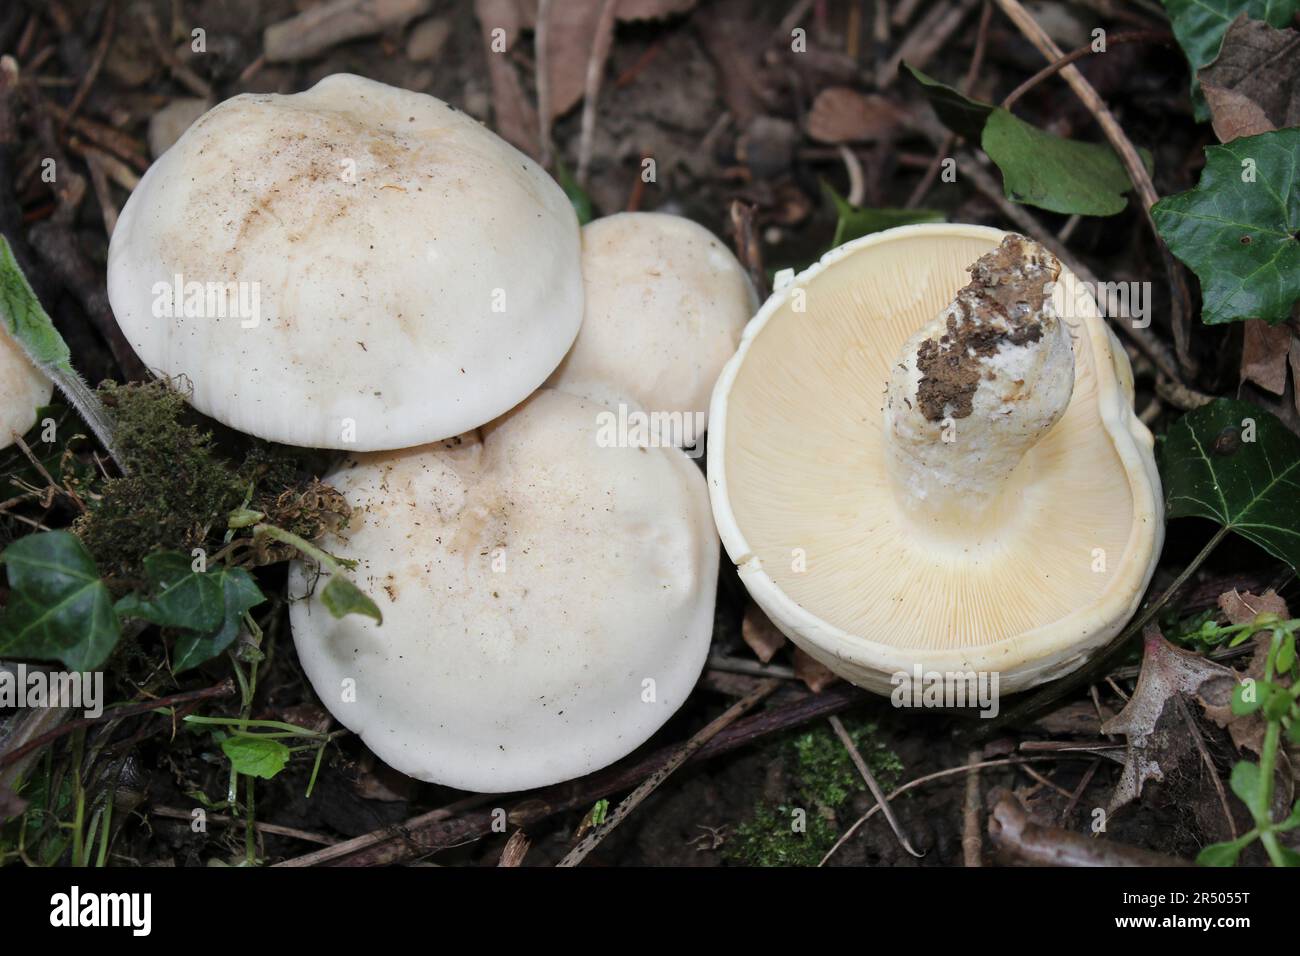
{"x":180,"y":488}
{"x":824,"y":771}
{"x":775,"y":836}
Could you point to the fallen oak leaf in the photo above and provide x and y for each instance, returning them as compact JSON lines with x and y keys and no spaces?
{"x":1247,"y":731}
{"x":1264,"y":350}
{"x":1155,"y":747}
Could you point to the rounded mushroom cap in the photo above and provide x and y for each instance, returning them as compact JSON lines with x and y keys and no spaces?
{"x":23,"y":389}
{"x":359,"y":266}
{"x":666,"y":303}
{"x":548,"y":603}
{"x":805,"y":505}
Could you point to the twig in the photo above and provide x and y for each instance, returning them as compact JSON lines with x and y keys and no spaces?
{"x":1128,"y":155}
{"x":652,"y":782}
{"x":452,"y":826}
{"x":919,"y":781}
{"x":748,"y":250}
{"x":865,"y":772}
{"x":1045,"y":782}
{"x":926,"y":39}
{"x":591,"y":90}
{"x":542,"y":66}
{"x":1014,"y":832}
{"x":852,"y":165}
{"x":96,"y":63}
{"x":1080,"y":790}
{"x":177,"y":813}
{"x":225,"y":689}
{"x":1206,"y":759}
{"x":972,"y":833}
{"x":183,"y":74}
{"x":515,"y":850}
{"x":1180,"y":396}
{"x":1133,"y":36}
{"x":967,"y":83}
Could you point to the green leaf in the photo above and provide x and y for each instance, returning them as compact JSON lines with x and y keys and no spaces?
{"x":239,"y":593}
{"x":1239,"y":236}
{"x":1199,"y":26}
{"x":1224,"y":854}
{"x":957,"y":111}
{"x":34,"y":331}
{"x":1243,"y":705}
{"x":25,"y":319}
{"x":577,"y":195}
{"x":206,"y":605}
{"x":58,"y":608}
{"x":1038,"y":168}
{"x":1211,"y":470}
{"x":256,"y":756}
{"x":1292,"y":821}
{"x":341,"y":597}
{"x":1245,"y":782}
{"x":1286,"y":654}
{"x":1060,"y":175}
{"x":853,"y":222}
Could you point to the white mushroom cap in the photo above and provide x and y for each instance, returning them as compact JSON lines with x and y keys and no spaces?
{"x":666,"y":303}
{"x":415,"y":275}
{"x":532,"y":583}
{"x":23,"y":389}
{"x":876,"y":576}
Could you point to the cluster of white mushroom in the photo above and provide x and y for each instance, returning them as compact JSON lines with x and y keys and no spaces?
{"x":364,"y":268}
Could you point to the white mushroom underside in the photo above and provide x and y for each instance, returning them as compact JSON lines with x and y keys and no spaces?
{"x":807,"y":481}
{"x":531,"y":585}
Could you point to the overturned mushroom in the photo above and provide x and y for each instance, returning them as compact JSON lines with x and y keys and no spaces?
{"x":967,"y":493}
{"x":547,"y":602}
{"x":665,"y":305}
{"x":356,"y":266}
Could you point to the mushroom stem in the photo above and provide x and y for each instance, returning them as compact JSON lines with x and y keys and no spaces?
{"x":977,"y":387}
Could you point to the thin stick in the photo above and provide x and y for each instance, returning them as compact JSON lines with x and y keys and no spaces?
{"x":591,"y":90}
{"x":1209,"y":763}
{"x":541,"y":39}
{"x":515,"y":850}
{"x":1133,"y":36}
{"x":972,"y":833}
{"x":838,"y":726}
{"x":96,"y":62}
{"x":652,"y":782}
{"x":177,"y":813}
{"x":1080,"y":790}
{"x":928,"y":778}
{"x":225,"y":689}
{"x":1128,"y":155}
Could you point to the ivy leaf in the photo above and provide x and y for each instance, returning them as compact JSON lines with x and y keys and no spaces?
{"x":58,"y":608}
{"x":1237,"y":464}
{"x":1239,"y":236}
{"x":239,"y":593}
{"x":957,"y":111}
{"x":341,"y":597}
{"x":256,"y":756}
{"x":853,"y":222}
{"x":206,"y":605}
{"x":1060,"y":175}
{"x":1200,"y":25}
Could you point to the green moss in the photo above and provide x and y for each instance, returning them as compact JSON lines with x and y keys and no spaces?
{"x":824,"y":771}
{"x":180,"y":488}
{"x":772,"y":838}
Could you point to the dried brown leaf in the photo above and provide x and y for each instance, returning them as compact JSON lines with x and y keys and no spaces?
{"x":815,"y":675}
{"x":514,"y":114}
{"x":1157,"y":743}
{"x":842,"y":115}
{"x":1264,"y":350}
{"x":1254,"y":84}
{"x":760,"y":633}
